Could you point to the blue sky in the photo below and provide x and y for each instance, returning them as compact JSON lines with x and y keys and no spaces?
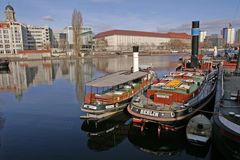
{"x":145,"y":15}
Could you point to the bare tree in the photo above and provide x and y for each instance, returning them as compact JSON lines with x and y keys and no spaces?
{"x":77,"y":27}
{"x":176,"y":44}
{"x":63,"y":44}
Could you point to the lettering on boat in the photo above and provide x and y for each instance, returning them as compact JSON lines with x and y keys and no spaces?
{"x":109,"y":106}
{"x":92,"y":107}
{"x":162,"y":96}
{"x":149,"y":113}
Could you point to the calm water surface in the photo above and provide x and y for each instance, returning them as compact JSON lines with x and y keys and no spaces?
{"x":40,"y":109}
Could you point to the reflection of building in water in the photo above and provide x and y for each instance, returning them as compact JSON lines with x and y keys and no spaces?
{"x":23,"y":74}
{"x":39,"y":72}
{"x":125,"y":63}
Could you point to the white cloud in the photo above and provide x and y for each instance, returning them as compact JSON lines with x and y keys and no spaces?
{"x":211,"y":26}
{"x":48,"y":18}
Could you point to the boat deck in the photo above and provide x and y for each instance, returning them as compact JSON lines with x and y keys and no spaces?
{"x":230,"y":109}
{"x":148,"y":103}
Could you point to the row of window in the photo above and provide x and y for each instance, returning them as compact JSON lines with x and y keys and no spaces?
{"x":8,"y":46}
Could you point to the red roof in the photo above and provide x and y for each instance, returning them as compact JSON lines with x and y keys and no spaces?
{"x":33,"y":51}
{"x":4,"y":25}
{"x":141,"y":33}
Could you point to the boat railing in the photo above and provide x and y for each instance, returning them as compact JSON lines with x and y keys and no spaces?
{"x":111,"y":99}
{"x":222,"y":83}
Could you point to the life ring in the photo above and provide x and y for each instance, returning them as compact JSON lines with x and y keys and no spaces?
{"x":173,"y":114}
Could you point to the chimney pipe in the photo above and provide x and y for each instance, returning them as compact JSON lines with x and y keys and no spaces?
{"x":195,"y":43}
{"x":135,"y":59}
{"x":238,"y":62}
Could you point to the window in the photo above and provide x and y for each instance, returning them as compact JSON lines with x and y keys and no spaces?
{"x":5,"y":31}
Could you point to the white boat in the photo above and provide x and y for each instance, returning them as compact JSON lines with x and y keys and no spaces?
{"x":199,"y":130}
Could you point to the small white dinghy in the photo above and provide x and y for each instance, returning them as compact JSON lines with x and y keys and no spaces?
{"x":199,"y":130}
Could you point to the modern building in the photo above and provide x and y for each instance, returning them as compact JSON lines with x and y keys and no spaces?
{"x":37,"y":37}
{"x":86,"y":37}
{"x":123,"y":40}
{"x":60,"y":41}
{"x":202,"y":36}
{"x":228,"y":35}
{"x":214,"y":40}
{"x":238,"y":37}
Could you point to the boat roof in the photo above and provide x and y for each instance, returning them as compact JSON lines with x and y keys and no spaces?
{"x":116,"y":78}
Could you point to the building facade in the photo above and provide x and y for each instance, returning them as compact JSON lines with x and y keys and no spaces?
{"x":202,"y":36}
{"x":123,"y":40}
{"x":37,"y":37}
{"x":229,"y":35}
{"x":86,"y":37}
{"x":238,"y":37}
{"x":11,"y":39}
{"x":214,"y":40}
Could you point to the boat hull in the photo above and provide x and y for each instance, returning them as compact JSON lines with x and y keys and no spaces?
{"x":102,"y":114}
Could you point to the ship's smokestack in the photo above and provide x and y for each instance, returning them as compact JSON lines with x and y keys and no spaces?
{"x":135,"y":59}
{"x":238,"y":62}
{"x":195,"y":43}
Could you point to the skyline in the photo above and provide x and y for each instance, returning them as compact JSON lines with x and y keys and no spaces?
{"x":152,"y":16}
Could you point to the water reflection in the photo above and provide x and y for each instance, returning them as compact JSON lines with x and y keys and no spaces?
{"x":125,"y":63}
{"x":107,"y":134}
{"x":23,"y":74}
{"x":169,"y":144}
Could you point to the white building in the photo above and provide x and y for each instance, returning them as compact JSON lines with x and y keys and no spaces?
{"x":116,"y":40}
{"x":86,"y":37}
{"x":10,"y":37}
{"x":37,"y":37}
{"x":10,"y":33}
{"x":15,"y":36}
{"x":202,"y":36}
{"x":229,"y":35}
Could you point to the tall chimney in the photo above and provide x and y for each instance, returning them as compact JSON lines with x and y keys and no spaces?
{"x":195,"y":43}
{"x":135,"y":59}
{"x":238,"y":62}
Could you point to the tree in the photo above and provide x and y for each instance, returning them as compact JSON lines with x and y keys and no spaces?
{"x":63,"y":44}
{"x":77,"y":28}
{"x":177,"y":44}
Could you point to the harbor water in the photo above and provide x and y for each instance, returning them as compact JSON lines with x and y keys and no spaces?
{"x":40,"y":109}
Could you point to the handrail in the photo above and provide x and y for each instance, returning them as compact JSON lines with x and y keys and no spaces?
{"x":222,"y":84}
